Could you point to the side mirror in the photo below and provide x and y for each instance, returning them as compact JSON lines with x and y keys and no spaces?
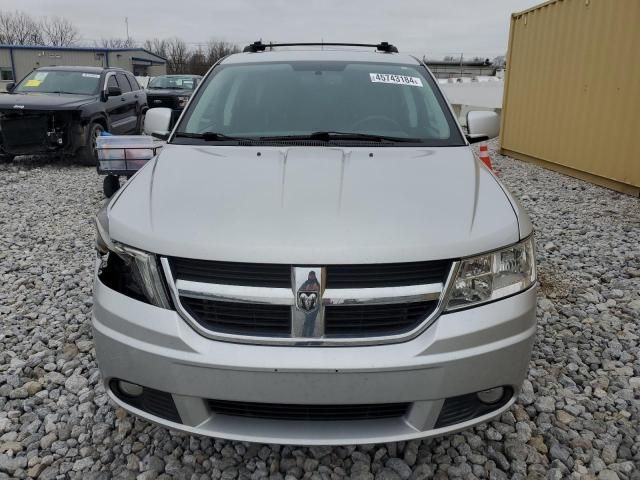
{"x":10,"y":86}
{"x":482,"y":125}
{"x":113,"y":91}
{"x":157,"y":122}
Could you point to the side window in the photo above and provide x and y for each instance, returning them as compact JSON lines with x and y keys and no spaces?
{"x":112,"y":82}
{"x":123,"y":82}
{"x":133,"y":82}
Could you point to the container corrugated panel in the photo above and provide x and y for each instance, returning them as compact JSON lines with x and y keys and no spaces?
{"x":572,"y":92}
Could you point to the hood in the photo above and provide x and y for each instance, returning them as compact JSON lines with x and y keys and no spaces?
{"x":314,"y":205}
{"x":167,"y":91}
{"x":43,"y":101}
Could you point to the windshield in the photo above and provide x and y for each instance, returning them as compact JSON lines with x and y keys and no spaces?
{"x":60,"y":81}
{"x":174,"y":83}
{"x":298,"y":99}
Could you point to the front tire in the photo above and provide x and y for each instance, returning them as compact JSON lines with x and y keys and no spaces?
{"x":110,"y":185}
{"x":88,"y":155}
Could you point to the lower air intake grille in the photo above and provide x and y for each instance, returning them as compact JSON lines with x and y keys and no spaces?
{"x":467,"y":407}
{"x":240,"y":318}
{"x":153,"y":401}
{"x":280,"y":411}
{"x":375,"y":320}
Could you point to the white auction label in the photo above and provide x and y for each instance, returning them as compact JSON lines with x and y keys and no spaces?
{"x":395,"y":79}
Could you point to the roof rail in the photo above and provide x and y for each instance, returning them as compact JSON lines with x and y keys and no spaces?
{"x":261,"y":47}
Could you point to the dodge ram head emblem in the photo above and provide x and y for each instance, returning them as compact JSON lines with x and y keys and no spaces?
{"x":308,"y":293}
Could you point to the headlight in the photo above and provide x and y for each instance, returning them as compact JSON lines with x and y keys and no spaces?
{"x":127,"y":270}
{"x":182,"y":101}
{"x":494,"y":275}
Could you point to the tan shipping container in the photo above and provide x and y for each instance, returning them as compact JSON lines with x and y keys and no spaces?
{"x":572,"y":92}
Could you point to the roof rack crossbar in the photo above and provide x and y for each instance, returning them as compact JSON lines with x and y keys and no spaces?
{"x":261,"y":47}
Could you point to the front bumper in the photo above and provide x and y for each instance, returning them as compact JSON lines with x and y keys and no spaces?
{"x":460,"y":353}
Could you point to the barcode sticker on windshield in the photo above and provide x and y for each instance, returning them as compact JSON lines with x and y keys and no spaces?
{"x":91,"y":75}
{"x":396,"y":79}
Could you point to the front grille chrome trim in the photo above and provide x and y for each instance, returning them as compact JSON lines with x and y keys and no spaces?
{"x":331,"y":296}
{"x":235,"y":293}
{"x":357,"y":296}
{"x":382,"y":295}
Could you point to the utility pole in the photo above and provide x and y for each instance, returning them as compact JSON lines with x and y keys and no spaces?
{"x":126,"y":22}
{"x":461,"y":69}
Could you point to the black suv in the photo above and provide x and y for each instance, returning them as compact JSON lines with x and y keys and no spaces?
{"x":172,"y":91}
{"x":62,"y":110}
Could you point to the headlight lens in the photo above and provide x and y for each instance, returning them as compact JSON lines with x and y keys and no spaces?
{"x":127,"y":270}
{"x":182,"y":101}
{"x":494,"y":275}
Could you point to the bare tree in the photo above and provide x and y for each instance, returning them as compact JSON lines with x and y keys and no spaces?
{"x":117,"y":43}
{"x":198,"y":63}
{"x":177,"y":56}
{"x":19,"y":28}
{"x":217,"y":50}
{"x":6,"y":28}
{"x":59,"y":32}
{"x":157,"y":46}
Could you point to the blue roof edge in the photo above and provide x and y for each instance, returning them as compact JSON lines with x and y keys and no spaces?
{"x":80,"y":49}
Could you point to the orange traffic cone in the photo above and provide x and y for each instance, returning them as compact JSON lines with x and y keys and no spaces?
{"x":484,"y":156}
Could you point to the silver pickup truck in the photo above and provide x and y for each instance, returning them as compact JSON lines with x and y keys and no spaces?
{"x":315,"y":257}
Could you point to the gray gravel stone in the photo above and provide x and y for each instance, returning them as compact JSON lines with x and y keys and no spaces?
{"x":400,"y":467}
{"x":545,"y":404}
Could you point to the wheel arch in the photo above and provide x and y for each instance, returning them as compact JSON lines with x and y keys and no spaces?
{"x":102,"y":119}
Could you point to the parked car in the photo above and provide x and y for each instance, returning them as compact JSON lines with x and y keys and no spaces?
{"x":62,"y":110}
{"x":171,"y":91}
{"x":316,"y":256}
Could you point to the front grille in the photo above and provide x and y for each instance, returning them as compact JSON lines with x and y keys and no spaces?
{"x":240,"y":318}
{"x":232,"y":273}
{"x":368,"y":310}
{"x":281,"y":411}
{"x":162,"y":101}
{"x":387,"y":274}
{"x":375,"y":320}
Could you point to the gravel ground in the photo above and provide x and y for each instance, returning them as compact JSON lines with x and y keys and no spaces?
{"x":577,"y":416}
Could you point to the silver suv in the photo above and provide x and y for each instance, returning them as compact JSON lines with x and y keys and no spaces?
{"x":315,"y":257}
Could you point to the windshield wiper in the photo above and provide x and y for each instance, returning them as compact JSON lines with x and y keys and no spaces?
{"x":327,"y":136}
{"x":213,"y":137}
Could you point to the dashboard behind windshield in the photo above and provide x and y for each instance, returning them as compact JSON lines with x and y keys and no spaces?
{"x":60,"y":81}
{"x":293,"y":99}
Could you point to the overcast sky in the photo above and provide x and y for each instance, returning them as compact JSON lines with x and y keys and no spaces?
{"x":432,"y":27}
